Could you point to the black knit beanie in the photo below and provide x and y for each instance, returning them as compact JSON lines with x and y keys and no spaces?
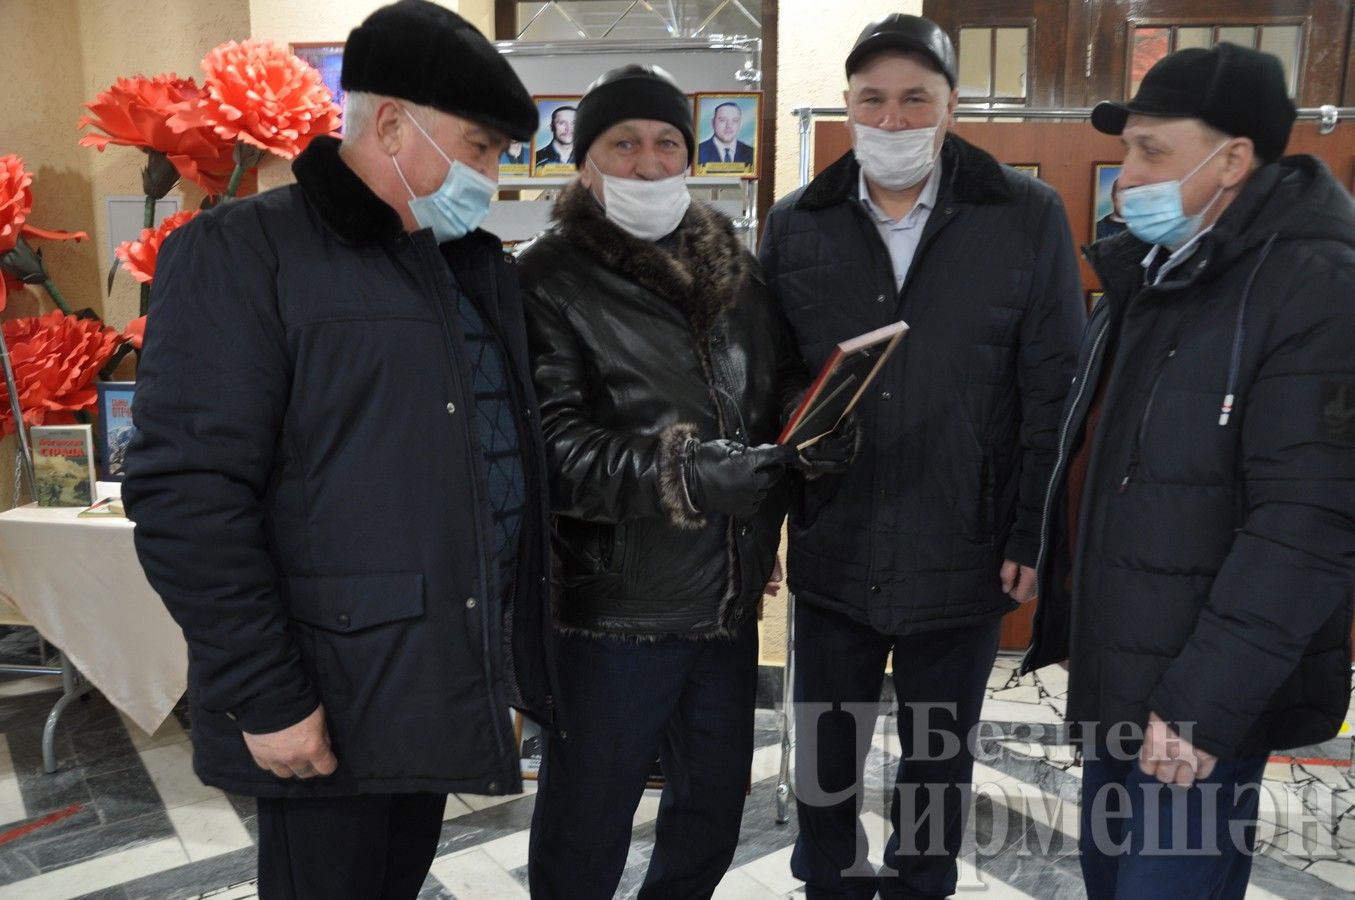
{"x":631,"y":92}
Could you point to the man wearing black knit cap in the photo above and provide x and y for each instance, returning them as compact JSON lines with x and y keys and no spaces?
{"x":662,"y":368}
{"x":339,"y":485}
{"x":1201,"y":524}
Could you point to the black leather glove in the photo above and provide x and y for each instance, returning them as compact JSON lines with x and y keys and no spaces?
{"x":728,"y":478}
{"x":833,"y":453}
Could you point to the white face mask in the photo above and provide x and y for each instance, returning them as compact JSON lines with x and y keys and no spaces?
{"x":896,"y":160}
{"x":647,"y":210}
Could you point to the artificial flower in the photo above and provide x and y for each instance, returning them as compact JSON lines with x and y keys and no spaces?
{"x":135,"y":332}
{"x":139,"y":256}
{"x":260,"y":94}
{"x":18,"y":261}
{"x":135,"y":112}
{"x":55,"y":358}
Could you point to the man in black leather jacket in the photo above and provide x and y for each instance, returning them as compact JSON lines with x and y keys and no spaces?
{"x":662,"y":368}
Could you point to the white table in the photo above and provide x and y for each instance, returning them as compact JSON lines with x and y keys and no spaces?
{"x":78,"y":582}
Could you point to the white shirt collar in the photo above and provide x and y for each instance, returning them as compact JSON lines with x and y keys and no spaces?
{"x":925,"y":200}
{"x":1178,"y":256}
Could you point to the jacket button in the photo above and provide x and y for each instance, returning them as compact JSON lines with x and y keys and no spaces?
{"x":451,"y":408}
{"x":886,"y":395}
{"x":344,"y":620}
{"x":493,"y":785}
{"x":744,"y":530}
{"x":875,"y":589}
{"x":470,"y":603}
{"x":880,"y":299}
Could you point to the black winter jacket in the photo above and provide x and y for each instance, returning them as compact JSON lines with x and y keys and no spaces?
{"x":960,"y":424}
{"x":634,"y":351}
{"x":310,"y":501}
{"x":1215,"y":559}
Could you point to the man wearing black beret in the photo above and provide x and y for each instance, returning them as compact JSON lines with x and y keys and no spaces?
{"x":1200,"y":530}
{"x":339,"y":483}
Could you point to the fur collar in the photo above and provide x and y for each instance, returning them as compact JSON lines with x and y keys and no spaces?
{"x":342,"y":199}
{"x":702,"y":278}
{"x":972,"y":176}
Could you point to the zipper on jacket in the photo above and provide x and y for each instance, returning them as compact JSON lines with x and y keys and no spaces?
{"x":472,"y":455}
{"x":1054,"y":474}
{"x":1136,"y":449}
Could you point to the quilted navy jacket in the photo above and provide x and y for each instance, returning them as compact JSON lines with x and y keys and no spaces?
{"x":1215,"y":558}
{"x":960,"y":424}
{"x":308,"y":493}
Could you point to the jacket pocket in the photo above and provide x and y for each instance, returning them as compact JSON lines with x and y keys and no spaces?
{"x":987,"y":516}
{"x":351,"y":603}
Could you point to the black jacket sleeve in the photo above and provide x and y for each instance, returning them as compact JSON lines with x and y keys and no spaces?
{"x":597,"y":474}
{"x":1047,"y":354}
{"x":212,"y":391}
{"x":1292,"y":564}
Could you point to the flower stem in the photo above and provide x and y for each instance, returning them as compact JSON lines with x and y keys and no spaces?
{"x":236,"y":174}
{"x":55,"y":294}
{"x":145,"y":299}
{"x":148,"y":219}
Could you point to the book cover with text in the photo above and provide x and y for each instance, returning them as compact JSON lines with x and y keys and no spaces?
{"x":115,"y":426}
{"x":63,"y":464}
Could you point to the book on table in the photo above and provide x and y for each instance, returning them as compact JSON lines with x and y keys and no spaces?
{"x":115,"y":426}
{"x":63,"y":464}
{"x":850,"y":369}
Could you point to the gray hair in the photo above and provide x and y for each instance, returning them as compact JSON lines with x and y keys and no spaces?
{"x":359,"y":109}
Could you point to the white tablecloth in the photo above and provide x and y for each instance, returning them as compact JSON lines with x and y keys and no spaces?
{"x":79,"y":583}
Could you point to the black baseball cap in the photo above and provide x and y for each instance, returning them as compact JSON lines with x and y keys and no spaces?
{"x":912,"y":34}
{"x":1240,"y":91}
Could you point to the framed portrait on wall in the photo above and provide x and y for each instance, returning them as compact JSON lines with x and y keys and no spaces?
{"x":1031,"y":169}
{"x":328,"y":61}
{"x":553,"y":145}
{"x":727,"y":131}
{"x":1106,"y":220}
{"x":516,"y":160}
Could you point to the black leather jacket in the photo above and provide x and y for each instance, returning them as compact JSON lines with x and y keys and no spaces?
{"x":634,"y":350}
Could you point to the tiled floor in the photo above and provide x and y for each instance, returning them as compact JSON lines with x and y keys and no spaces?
{"x":126,"y":818}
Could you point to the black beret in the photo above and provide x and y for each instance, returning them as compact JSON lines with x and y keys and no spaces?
{"x":911,"y":34}
{"x":1240,"y":91}
{"x":427,"y":54}
{"x":632,"y":92}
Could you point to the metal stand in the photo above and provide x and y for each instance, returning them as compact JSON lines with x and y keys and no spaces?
{"x":73,"y":686}
{"x":783,"y":787}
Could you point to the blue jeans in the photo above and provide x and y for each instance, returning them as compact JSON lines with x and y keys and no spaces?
{"x":1141,"y":838}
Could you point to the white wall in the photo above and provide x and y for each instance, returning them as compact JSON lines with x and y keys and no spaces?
{"x":295,"y":21}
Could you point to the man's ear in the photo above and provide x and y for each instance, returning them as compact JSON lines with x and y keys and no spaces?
{"x":951,"y":105}
{"x":389,"y":126}
{"x":1239,"y":161}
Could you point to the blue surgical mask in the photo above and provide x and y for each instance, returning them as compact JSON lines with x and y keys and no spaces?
{"x":459,"y":205}
{"x":1154,"y":213}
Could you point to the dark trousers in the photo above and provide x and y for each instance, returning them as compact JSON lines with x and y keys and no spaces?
{"x":369,"y":847}
{"x":688,"y":702}
{"x":939,"y":678}
{"x":1141,"y":838}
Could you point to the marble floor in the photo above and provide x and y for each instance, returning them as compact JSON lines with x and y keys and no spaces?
{"x":124,"y":817}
